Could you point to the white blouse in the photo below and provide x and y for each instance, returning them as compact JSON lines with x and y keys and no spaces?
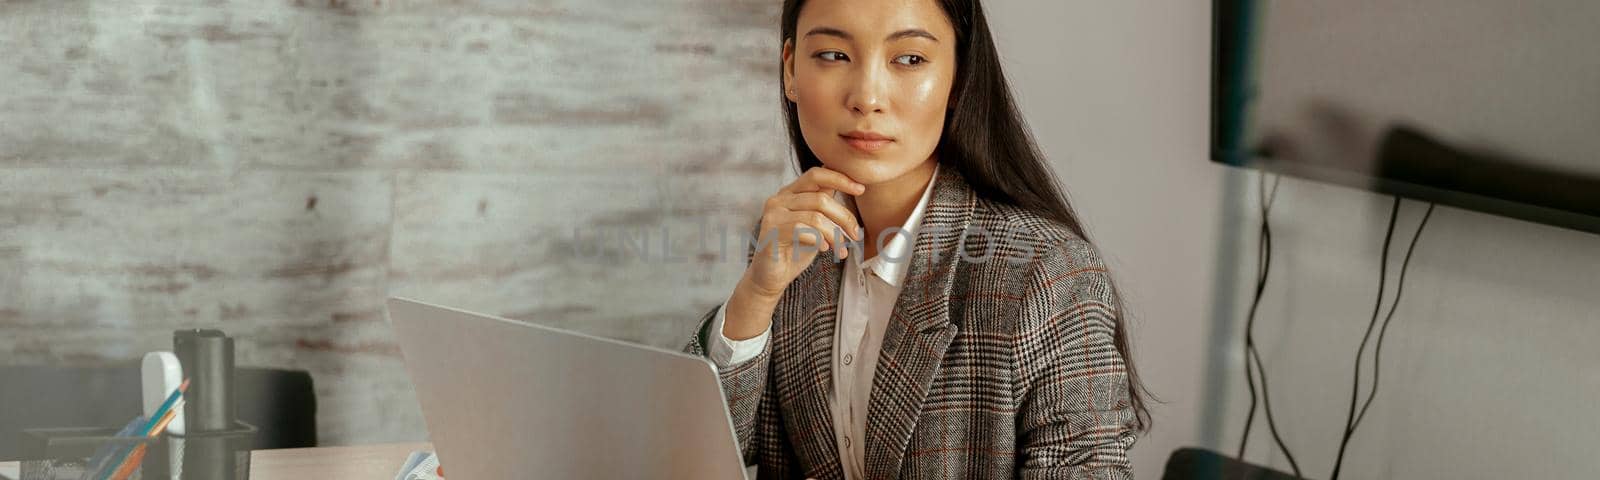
{"x":867,"y":294}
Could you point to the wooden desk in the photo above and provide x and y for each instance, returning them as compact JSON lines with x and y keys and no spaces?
{"x":362,"y":462}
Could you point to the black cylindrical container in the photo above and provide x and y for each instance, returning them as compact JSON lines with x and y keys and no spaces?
{"x":214,"y":444}
{"x":215,"y":455}
{"x":207,"y":358}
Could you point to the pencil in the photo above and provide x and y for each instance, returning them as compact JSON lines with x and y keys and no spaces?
{"x":166,"y":419}
{"x":127,"y":468}
{"x":137,"y":456}
{"x":159,"y":417}
{"x":165,"y":406}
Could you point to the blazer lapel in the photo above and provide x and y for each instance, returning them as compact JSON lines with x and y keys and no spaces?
{"x":919,"y":330}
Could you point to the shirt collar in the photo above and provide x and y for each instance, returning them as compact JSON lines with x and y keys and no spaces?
{"x":899,"y":248}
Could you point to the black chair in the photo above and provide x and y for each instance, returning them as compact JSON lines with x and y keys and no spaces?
{"x":281,"y":403}
{"x":1199,"y":464}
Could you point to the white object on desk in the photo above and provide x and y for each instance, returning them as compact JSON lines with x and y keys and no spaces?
{"x":421,"y":465}
{"x":161,"y":374}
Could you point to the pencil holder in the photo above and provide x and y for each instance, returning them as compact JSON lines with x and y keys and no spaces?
{"x":65,"y":453}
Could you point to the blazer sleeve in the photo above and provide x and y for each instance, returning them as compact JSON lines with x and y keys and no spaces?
{"x":744,"y":387}
{"x":752,"y":400}
{"x":1075,"y":419}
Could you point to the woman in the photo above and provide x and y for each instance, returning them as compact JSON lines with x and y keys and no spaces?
{"x":964,"y":327}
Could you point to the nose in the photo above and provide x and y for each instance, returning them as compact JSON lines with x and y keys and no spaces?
{"x":867,"y":91}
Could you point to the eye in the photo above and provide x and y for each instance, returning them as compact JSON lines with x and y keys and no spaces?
{"x":910,"y":60}
{"x":832,"y":56}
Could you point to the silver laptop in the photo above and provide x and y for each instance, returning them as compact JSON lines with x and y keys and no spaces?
{"x":506,"y":399}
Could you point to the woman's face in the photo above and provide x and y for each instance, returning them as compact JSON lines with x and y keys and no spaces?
{"x":871,"y":80}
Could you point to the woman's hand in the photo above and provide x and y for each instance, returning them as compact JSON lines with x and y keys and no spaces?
{"x":797,"y":223}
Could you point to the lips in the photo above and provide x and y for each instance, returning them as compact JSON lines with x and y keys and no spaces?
{"x":866,"y":141}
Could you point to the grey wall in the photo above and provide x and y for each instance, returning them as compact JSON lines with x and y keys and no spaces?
{"x":275,"y":168}
{"x":1116,"y":93}
{"x":1487,"y":369}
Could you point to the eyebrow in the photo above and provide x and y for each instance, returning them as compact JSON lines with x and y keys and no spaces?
{"x":907,"y":33}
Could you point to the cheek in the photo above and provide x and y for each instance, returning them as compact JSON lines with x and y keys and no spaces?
{"x":815,"y":95}
{"x":922,"y":105}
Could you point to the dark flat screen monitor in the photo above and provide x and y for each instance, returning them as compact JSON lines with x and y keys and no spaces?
{"x":1488,"y":105}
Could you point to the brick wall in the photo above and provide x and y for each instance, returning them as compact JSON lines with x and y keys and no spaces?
{"x":276,"y":168}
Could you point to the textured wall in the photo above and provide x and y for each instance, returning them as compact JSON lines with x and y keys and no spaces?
{"x":276,"y":168}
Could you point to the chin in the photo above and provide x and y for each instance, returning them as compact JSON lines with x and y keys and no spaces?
{"x":869,"y":170}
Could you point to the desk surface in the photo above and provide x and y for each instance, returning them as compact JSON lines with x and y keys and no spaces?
{"x":357,"y":462}
{"x":378,"y":462}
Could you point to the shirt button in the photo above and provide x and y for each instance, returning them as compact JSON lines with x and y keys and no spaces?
{"x":846,"y":441}
{"x":848,"y":358}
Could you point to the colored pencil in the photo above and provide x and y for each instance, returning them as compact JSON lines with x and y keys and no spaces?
{"x":149,"y":429}
{"x":165,"y":406}
{"x":137,"y":456}
{"x":129,"y":466}
{"x":166,"y":419}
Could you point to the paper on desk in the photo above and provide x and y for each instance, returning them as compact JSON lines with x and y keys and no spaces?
{"x":420,"y":466}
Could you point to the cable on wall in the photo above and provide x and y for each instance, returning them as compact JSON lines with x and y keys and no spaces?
{"x":1353,"y":417}
{"x":1253,"y":363}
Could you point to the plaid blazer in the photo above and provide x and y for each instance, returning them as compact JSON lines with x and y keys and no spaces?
{"x":989,"y":368}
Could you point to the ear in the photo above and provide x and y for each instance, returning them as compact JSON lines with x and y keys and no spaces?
{"x":788,"y":71}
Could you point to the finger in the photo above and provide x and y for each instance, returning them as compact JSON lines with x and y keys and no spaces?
{"x":813,"y":228}
{"x":822,"y":179}
{"x":810,"y":231}
{"x":829,"y":206}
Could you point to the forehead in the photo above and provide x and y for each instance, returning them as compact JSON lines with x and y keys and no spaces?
{"x":874,"y":19}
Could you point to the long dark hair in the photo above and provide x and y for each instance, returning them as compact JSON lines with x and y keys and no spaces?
{"x":986,"y":139}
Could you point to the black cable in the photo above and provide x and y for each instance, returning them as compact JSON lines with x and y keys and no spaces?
{"x":1272,"y":424}
{"x":1250,"y":378}
{"x":1252,"y":354}
{"x":1263,"y":265}
{"x":1255,"y":353}
{"x":1352,"y":420}
{"x":1383,"y":275}
{"x":1377,"y":352}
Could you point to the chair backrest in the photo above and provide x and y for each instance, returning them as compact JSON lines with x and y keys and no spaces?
{"x":1199,"y":464}
{"x":281,"y":403}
